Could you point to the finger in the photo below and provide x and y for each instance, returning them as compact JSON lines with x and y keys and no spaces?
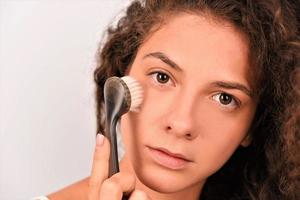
{"x":114,"y":187}
{"x":139,"y":195}
{"x":100,"y":166}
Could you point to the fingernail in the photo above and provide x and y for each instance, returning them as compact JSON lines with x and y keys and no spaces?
{"x":99,"y":139}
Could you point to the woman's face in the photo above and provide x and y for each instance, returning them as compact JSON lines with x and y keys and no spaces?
{"x":197,"y":102}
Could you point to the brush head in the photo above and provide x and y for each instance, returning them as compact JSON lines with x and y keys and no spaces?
{"x":136,"y":92}
{"x":121,"y":95}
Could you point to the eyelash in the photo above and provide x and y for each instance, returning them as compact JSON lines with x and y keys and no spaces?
{"x":234,"y":99}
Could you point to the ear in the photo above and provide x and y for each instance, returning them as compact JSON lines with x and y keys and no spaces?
{"x":247,"y":140}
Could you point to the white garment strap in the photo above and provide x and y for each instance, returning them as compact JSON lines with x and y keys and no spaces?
{"x":40,"y":198}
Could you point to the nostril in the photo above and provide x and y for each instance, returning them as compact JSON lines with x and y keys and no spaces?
{"x":188,"y":136}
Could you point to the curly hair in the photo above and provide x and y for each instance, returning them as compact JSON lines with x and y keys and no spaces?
{"x":269,"y":168}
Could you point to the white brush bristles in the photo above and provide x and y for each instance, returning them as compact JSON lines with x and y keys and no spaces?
{"x":136,"y":92}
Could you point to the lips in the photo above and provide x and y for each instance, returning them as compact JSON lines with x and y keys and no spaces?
{"x":175,"y":155}
{"x":165,"y":158}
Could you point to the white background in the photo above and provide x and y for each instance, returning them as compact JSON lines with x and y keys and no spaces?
{"x":47,"y":108}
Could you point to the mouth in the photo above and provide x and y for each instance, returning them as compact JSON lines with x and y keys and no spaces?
{"x":168,"y":159}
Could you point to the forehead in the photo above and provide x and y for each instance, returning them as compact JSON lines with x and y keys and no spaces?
{"x":199,"y":43}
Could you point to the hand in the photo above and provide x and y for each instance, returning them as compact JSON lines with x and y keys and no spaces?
{"x":103,"y":188}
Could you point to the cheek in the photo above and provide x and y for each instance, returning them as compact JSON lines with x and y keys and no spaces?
{"x":129,"y":133}
{"x":155,"y":106}
{"x":143,"y":128}
{"x":219,"y":136}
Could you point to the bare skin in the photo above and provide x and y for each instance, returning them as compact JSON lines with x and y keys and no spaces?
{"x":189,"y":115}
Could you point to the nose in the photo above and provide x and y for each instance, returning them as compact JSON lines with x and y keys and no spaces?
{"x":180,"y":120}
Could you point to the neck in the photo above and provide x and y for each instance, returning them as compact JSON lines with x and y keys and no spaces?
{"x":192,"y":193}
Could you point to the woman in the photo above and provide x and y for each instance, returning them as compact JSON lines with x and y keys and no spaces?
{"x":221,"y":88}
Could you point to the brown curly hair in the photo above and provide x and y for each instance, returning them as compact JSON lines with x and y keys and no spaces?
{"x":269,"y":168}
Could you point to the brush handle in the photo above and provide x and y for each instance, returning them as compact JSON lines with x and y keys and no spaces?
{"x":116,"y":104}
{"x":113,"y":159}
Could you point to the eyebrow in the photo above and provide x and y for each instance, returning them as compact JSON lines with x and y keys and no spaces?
{"x":222,"y":84}
{"x":233,"y":85}
{"x":164,"y":58}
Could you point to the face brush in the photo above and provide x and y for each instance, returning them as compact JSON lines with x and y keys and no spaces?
{"x":120,"y":96}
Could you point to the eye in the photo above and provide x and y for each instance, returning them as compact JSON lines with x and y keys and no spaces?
{"x":226,"y":100}
{"x":160,"y":77}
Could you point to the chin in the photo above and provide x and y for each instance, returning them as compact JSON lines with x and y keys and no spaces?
{"x":162,"y":180}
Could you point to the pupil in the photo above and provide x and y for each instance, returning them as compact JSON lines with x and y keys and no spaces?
{"x":162,"y":78}
{"x":225,"y":99}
